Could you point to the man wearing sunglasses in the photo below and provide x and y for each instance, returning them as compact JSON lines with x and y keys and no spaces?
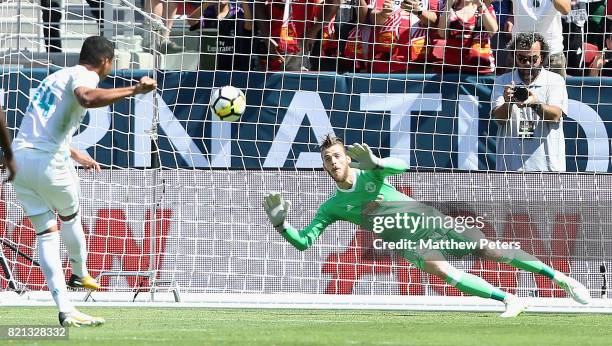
{"x":529,"y":103}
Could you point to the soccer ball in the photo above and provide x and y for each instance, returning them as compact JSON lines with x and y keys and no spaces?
{"x":228,"y":103}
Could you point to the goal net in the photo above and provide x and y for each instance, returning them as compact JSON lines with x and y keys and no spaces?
{"x":176,"y":210}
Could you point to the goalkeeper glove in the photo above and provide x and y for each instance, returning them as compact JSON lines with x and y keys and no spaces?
{"x":276,"y":208}
{"x":365,"y":157}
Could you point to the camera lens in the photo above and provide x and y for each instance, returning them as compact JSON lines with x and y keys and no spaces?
{"x":521,"y":94}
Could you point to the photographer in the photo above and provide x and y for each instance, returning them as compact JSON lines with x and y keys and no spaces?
{"x":528,"y":104}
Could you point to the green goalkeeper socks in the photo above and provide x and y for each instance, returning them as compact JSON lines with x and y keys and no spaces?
{"x":472,"y":284}
{"x":522,"y":260}
{"x":534,"y":267}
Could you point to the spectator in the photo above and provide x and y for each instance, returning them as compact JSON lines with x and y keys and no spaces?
{"x":428,"y":33}
{"x":583,"y":59}
{"x":529,"y":103}
{"x":97,"y":9}
{"x":358,"y":48}
{"x":335,"y":21}
{"x":596,"y":24}
{"x":233,"y":24}
{"x":607,"y":67}
{"x":503,"y":10}
{"x":425,"y":34}
{"x":282,"y":24}
{"x":324,"y":46}
{"x":344,"y":36}
{"x":52,"y":15}
{"x":467,"y":26}
{"x":593,"y":60}
{"x":544,"y":17}
{"x":400,"y":36}
{"x":165,"y":10}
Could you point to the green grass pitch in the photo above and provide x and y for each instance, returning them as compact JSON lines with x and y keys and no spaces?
{"x":200,"y":326}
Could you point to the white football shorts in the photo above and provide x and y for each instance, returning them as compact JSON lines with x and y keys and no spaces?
{"x":46,"y":182}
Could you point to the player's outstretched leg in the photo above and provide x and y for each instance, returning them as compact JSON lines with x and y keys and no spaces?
{"x":77,"y":319}
{"x":437,"y":265}
{"x":573,"y":288}
{"x":522,"y":260}
{"x":48,"y":245}
{"x":74,"y":238}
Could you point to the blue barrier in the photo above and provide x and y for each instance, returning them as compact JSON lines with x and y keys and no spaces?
{"x":432,"y":122}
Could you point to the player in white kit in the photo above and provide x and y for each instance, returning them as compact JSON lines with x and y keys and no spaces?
{"x":46,"y":180}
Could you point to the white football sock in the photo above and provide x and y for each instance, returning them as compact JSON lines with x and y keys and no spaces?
{"x":74,"y":238}
{"x":51,"y":265}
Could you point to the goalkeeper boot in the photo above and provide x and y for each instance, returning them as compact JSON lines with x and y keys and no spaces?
{"x":76,"y":319}
{"x":86,"y":282}
{"x":573,"y":288}
{"x":514,"y":306}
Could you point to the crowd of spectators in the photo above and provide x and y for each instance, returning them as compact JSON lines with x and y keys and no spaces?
{"x":379,"y":36}
{"x":399,"y":36}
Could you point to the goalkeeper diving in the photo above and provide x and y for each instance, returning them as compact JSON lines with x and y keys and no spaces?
{"x":363,"y":184}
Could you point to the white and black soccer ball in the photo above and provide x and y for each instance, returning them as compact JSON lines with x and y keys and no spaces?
{"x":228,"y":103}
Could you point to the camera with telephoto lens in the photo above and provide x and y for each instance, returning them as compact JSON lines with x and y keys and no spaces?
{"x":521,"y":94}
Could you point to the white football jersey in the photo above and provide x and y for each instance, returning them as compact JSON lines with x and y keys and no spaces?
{"x":54,"y":114}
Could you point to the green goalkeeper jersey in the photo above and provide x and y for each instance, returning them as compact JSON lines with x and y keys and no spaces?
{"x":347,"y":205}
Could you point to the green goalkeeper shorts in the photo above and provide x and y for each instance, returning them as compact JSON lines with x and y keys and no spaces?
{"x":405,"y":228}
{"x":451,"y":243}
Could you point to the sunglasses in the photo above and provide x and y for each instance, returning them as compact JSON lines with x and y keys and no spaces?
{"x":533,"y":59}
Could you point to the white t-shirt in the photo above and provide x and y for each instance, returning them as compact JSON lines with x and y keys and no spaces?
{"x":54,"y":113}
{"x":539,"y":16}
{"x":543,"y":149}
